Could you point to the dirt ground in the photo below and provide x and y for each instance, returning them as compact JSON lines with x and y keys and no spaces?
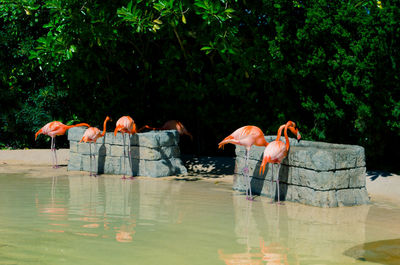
{"x":37,"y":162}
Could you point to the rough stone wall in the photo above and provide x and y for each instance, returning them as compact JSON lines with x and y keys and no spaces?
{"x":154,"y":154}
{"x":313,"y":173}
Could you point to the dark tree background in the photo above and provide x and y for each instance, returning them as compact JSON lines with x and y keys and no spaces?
{"x":330,"y":66}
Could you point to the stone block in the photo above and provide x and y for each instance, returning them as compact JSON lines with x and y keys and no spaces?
{"x":318,"y":180}
{"x":94,"y":162}
{"x":146,"y":153}
{"x":318,"y":156}
{"x":314,"y":173}
{"x":118,"y":150}
{"x":357,"y":177}
{"x":93,"y":148}
{"x":253,"y":166}
{"x":73,"y":146}
{"x":76,"y":133}
{"x":112,"y":165}
{"x":154,"y":154}
{"x":151,"y":139}
{"x":164,"y":152}
{"x":75,"y":161}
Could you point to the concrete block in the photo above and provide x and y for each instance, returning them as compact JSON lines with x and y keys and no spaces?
{"x":314,"y":173}
{"x":318,"y":156}
{"x":75,"y":161}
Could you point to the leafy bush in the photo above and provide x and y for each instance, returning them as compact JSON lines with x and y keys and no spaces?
{"x":215,"y":65}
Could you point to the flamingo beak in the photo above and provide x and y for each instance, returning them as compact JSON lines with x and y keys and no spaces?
{"x":298,"y":137}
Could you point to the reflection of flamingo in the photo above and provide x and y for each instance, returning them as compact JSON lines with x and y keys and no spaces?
{"x":91,"y":135}
{"x":274,"y":253}
{"x":277,"y":150}
{"x":125,"y":124}
{"x":246,"y":136}
{"x":125,"y":234}
{"x":53,"y":129}
{"x":171,"y":125}
{"x":241,"y":258}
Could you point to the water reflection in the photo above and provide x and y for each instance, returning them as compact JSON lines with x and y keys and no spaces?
{"x":83,"y":219}
{"x":294,"y":233}
{"x":96,"y":207}
{"x":262,"y":245}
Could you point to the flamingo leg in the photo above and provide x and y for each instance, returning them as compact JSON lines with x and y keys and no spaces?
{"x":55,"y":152}
{"x":52,"y":150}
{"x":90,"y":158}
{"x":94,"y":162}
{"x":247,"y":177}
{"x":272,"y":180}
{"x":277,"y":182}
{"x":123,"y":139}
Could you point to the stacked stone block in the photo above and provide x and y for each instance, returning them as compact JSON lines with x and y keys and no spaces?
{"x":313,"y":173}
{"x":154,"y":154}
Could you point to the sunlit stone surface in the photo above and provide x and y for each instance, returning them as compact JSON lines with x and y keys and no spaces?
{"x":154,"y":154}
{"x":314,"y":173}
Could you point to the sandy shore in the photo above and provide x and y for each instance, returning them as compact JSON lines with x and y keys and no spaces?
{"x":37,"y":162}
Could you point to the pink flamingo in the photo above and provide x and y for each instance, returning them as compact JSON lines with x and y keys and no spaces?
{"x":54,"y":129}
{"x":277,"y":150}
{"x":125,"y":124}
{"x":91,"y":135}
{"x":246,"y":136}
{"x":171,"y":125}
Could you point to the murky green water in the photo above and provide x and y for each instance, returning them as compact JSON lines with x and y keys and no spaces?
{"x":105,"y":220}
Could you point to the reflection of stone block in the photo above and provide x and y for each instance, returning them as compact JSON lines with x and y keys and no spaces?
{"x":154,"y":154}
{"x":314,"y":173}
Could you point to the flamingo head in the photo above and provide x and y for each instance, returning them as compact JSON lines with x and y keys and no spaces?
{"x":294,"y":129}
{"x":297,"y":133}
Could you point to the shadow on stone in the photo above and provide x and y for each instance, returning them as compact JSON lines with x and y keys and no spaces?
{"x":283,"y":182}
{"x":101,"y":159}
{"x":256,"y":185}
{"x":135,"y":158}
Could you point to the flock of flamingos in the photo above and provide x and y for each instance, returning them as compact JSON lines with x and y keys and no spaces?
{"x":246,"y":136}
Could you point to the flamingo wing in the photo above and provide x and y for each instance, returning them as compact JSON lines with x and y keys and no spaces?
{"x":91,"y":134}
{"x":275,"y":152}
{"x":125,"y":124}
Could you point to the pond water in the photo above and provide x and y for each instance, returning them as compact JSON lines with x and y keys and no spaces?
{"x":106,"y":220}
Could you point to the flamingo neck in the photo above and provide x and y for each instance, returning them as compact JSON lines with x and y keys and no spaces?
{"x":286,"y":137}
{"x":278,"y":136}
{"x":104,"y":127}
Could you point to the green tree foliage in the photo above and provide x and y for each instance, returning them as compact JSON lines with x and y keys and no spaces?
{"x":331,"y":66}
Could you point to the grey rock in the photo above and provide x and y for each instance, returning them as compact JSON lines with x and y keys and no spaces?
{"x":154,"y":154}
{"x":75,"y":161}
{"x":314,"y":155}
{"x":148,"y":139}
{"x":75,"y":134}
{"x":314,"y":173}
